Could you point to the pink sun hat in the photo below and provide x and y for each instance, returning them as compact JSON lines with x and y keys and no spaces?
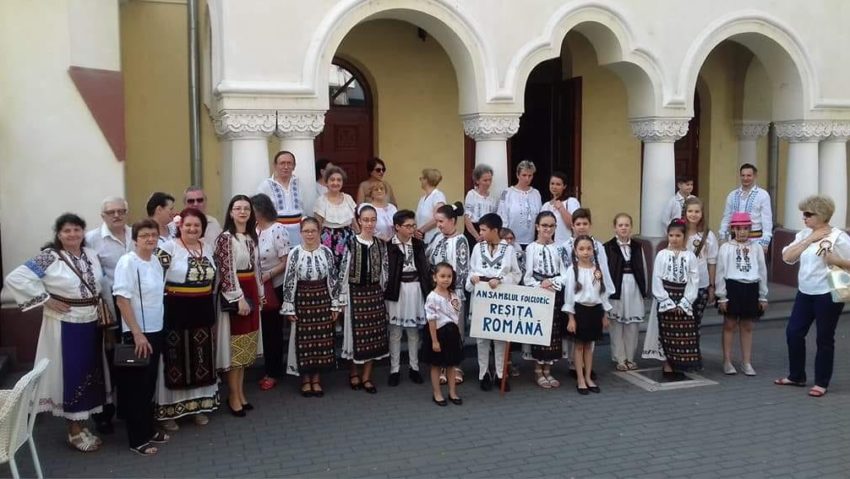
{"x":741,"y":218}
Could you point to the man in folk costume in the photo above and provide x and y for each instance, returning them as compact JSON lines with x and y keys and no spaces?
{"x":751,"y":199}
{"x":284,"y":188}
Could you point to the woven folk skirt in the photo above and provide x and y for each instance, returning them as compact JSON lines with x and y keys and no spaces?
{"x":314,"y":331}
{"x":555,"y":350}
{"x":188,"y":354}
{"x":679,"y":333}
{"x":245,"y":330}
{"x":366,"y":329}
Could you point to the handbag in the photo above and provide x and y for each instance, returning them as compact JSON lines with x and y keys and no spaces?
{"x":837,"y":278}
{"x":125,"y":353}
{"x":105,"y":319}
{"x":228,"y":307}
{"x":272,"y":303}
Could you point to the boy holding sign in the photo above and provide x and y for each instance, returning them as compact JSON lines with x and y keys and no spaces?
{"x":492,"y":261}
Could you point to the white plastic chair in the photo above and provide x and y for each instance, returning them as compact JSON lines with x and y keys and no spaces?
{"x":18,"y":409}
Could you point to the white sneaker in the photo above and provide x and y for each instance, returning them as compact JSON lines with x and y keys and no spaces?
{"x":748,"y":369}
{"x":729,"y":369}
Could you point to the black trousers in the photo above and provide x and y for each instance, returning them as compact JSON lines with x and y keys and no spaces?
{"x":136,"y":389}
{"x":273,"y":339}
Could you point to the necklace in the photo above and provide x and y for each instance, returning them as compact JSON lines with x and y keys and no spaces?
{"x":197,"y":254}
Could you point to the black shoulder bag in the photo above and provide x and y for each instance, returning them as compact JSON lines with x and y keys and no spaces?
{"x":125,"y":352}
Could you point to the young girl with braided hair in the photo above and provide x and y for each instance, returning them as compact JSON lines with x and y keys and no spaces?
{"x":586,"y":303}
{"x":703,"y":244}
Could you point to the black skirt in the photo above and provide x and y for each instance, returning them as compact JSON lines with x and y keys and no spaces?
{"x":743,"y":300}
{"x":451,"y":347}
{"x":588,"y":323}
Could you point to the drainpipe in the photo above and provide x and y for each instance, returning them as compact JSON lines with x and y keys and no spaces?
{"x":773,"y":167}
{"x":194,"y":97}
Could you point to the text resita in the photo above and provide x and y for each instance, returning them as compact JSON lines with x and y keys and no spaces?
{"x":511,"y":318}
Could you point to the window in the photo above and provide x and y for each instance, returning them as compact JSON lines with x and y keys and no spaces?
{"x":344,"y":88}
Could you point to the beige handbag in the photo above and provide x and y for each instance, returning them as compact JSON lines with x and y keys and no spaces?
{"x":837,"y":278}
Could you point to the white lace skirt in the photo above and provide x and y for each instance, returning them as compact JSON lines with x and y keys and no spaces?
{"x":409,"y":310}
{"x":630,"y":307}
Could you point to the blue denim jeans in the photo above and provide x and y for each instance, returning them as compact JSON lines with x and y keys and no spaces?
{"x":808,"y":309}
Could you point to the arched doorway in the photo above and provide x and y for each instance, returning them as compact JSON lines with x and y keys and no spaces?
{"x":686,"y":150}
{"x":347,"y":139}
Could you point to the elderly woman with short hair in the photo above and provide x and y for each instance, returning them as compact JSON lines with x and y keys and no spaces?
{"x":817,"y":247}
{"x":519,"y":204}
{"x":335,"y":212}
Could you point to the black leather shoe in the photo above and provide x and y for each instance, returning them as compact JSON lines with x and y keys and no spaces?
{"x":456,"y":401}
{"x":248,"y":406}
{"x":415,"y":376}
{"x":594,"y":389}
{"x":441,"y":402}
{"x":486,"y":383}
{"x":394,"y":379}
{"x":582,"y":391}
{"x":239,"y":413}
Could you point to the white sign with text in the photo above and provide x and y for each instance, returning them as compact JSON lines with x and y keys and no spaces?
{"x":519,"y":314}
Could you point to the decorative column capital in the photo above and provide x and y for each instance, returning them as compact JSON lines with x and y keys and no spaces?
{"x":305,"y":124}
{"x":803,"y":131}
{"x":751,"y":129}
{"x":486,"y":126}
{"x":235,"y":124}
{"x":840,"y":131}
{"x":659,"y":130}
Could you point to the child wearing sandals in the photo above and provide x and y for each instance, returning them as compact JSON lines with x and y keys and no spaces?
{"x":545,"y":269}
{"x":442,"y":347}
{"x":586,"y":302}
{"x":628,"y":271}
{"x":741,"y":290}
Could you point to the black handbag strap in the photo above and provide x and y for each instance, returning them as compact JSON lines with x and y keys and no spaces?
{"x":141,"y":299}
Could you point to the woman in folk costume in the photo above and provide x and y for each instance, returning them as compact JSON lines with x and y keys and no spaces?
{"x":187,"y":384}
{"x":451,"y":247}
{"x":363,"y":279}
{"x":65,"y":278}
{"x":311,"y":303}
{"x":741,"y":290}
{"x":672,"y":334}
{"x":335,"y":212}
{"x":519,"y":204}
{"x":478,"y":202}
{"x":703,"y":244}
{"x":628,"y":272}
{"x":241,"y":290}
{"x":545,"y":269}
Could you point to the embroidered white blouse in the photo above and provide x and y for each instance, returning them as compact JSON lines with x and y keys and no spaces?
{"x":287,"y":200}
{"x":303,"y":265}
{"x":544,"y":260}
{"x":707,"y":256}
{"x":335,"y":215}
{"x":475,"y":206}
{"x":676,"y":267}
{"x":812,"y":277}
{"x":274,"y":246}
{"x":518,"y":210}
{"x":185,"y":269}
{"x":440,"y":309}
{"x":743,"y":262}
{"x":563,"y":231}
{"x":454,"y":251}
{"x":591,"y":292}
{"x":500,"y":263}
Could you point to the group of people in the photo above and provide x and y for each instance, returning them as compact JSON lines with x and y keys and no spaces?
{"x":199,"y":301}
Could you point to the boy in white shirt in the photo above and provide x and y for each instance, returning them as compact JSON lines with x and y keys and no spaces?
{"x":676,"y":205}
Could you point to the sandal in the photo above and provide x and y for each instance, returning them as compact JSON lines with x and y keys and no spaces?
{"x":788,"y":382}
{"x":631,"y":365}
{"x":458,"y":376}
{"x":552,"y":381}
{"x":267,"y":383}
{"x":82,"y":442}
{"x":169,"y":425}
{"x":622,"y":367}
{"x":317,"y":389}
{"x":817,"y":392}
{"x":543,"y":382}
{"x":201,"y":419}
{"x":159,"y":437}
{"x":91,"y":436}
{"x":443,"y":379}
{"x":369,"y":387}
{"x":306,"y":389}
{"x":354,"y":385}
{"x":144,"y":450}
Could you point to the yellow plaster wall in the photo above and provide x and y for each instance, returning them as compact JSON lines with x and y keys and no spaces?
{"x":416,"y":105}
{"x":610,"y":153}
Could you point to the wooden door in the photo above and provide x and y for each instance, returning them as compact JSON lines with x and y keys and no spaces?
{"x":686,"y":150}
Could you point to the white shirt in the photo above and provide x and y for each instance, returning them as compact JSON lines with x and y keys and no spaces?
{"x":679,"y":267}
{"x":338,"y":215}
{"x":707,"y":256}
{"x":274,"y":246}
{"x":286,"y":199}
{"x":544,"y":260}
{"x":440,"y":309}
{"x":425,"y":211}
{"x":742,"y":262}
{"x":475,"y":206}
{"x":454,"y":251}
{"x":109,"y":250}
{"x":812,"y":277}
{"x":518,"y":210}
{"x":501,"y":263}
{"x":756,"y":202}
{"x":384,"y":228}
{"x":673,"y":209}
{"x":563,"y":231}
{"x":566,"y":250}
{"x":141,"y":282}
{"x":591,"y":292}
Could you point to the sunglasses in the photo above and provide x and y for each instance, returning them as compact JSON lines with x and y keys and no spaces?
{"x":193,"y":201}
{"x":808,"y":214}
{"x":380,"y":170}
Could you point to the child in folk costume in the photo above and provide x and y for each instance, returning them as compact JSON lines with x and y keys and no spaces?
{"x":443,"y":346}
{"x":509,"y":237}
{"x":363,"y":280}
{"x":586,"y":302}
{"x":545,"y":269}
{"x":492,"y":261}
{"x":448,"y":246}
{"x":628,"y":272}
{"x":676,"y":206}
{"x":311,"y":303}
{"x":703,"y":244}
{"x":409,"y":282}
{"x":672,"y":334}
{"x":741,"y":290}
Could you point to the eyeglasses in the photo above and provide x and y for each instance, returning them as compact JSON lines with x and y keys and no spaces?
{"x":193,"y":201}
{"x":808,"y":214}
{"x":408,"y":225}
{"x":380,"y":170}
{"x":120,"y":212}
{"x":147,"y":235}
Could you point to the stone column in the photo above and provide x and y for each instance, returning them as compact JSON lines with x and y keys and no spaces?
{"x":658,"y":181}
{"x":491,"y":133}
{"x":832,"y":170}
{"x":801,"y":178}
{"x":245,"y":159}
{"x":297,"y":131}
{"x":749,"y":132}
